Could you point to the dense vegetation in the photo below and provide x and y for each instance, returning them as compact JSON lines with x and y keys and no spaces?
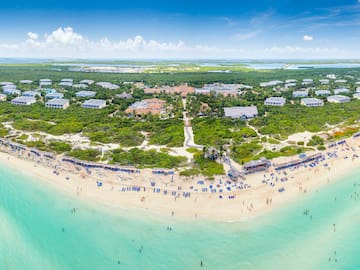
{"x":289,"y":119}
{"x":146,"y":159}
{"x":216,"y":132}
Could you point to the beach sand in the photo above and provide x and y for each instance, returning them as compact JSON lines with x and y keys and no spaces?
{"x":234,"y":205}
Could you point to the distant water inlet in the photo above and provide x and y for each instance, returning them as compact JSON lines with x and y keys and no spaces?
{"x":43,"y":229}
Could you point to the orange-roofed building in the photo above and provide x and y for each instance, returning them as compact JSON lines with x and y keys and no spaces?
{"x":152,"y":106}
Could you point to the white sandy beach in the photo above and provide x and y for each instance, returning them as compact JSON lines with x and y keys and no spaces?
{"x":199,"y":202}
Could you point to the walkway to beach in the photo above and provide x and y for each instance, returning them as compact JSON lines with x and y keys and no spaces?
{"x":188,"y":131}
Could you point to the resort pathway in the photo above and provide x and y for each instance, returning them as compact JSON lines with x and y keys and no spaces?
{"x":188,"y":131}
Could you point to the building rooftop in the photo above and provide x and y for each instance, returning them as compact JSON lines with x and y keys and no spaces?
{"x":87,"y":81}
{"x":66,"y":84}
{"x":94,"y":102}
{"x":45,"y":80}
{"x":31,"y":93}
{"x":54,"y":95}
{"x":341,"y":90}
{"x":58,"y":101}
{"x":24,"y":99}
{"x":311,"y":101}
{"x":240,"y":112}
{"x":26,"y":81}
{"x":5,"y":83}
{"x":80,"y":85}
{"x":67,"y":80}
{"x":322,"y":92}
{"x":86,"y":94}
{"x":124,"y":95}
{"x":338,"y":98}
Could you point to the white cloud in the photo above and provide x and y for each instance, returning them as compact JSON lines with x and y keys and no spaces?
{"x":66,"y":42}
{"x":309,"y":38}
{"x":65,"y":36}
{"x":32,"y":35}
{"x":245,"y":36}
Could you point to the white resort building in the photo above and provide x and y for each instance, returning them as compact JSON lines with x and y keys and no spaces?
{"x":312,"y":102}
{"x":94,"y":104}
{"x":241,"y":112}
{"x":341,"y":91}
{"x":322,"y":92}
{"x":303,"y":93}
{"x":85,"y":94}
{"x":57,"y":103}
{"x":275,"y":101}
{"x":31,"y":94}
{"x":54,"y":95}
{"x":338,"y":99}
{"x":23,"y":100}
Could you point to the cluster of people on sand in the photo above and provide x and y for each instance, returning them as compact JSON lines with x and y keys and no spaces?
{"x":162,"y":182}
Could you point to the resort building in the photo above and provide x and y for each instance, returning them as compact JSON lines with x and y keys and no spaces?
{"x":124,"y":95}
{"x":67,"y":80}
{"x":88,"y":82}
{"x":9,"y":87}
{"x":241,"y":112}
{"x":57,"y":103}
{"x":26,"y":82}
{"x":23,"y":100}
{"x":291,"y":81}
{"x":356,"y":95}
{"x":45,"y":82}
{"x":324,"y":81}
{"x":108,"y":85}
{"x":322,"y":92}
{"x":340,"y":81}
{"x":85,"y":94}
{"x":147,"y":106}
{"x":256,"y":165}
{"x":271,"y":83}
{"x":31,"y":94}
{"x":6,"y":83}
{"x":66,"y":84}
{"x":357,"y":89}
{"x":80,"y":86}
{"x":2,"y":97}
{"x":94,"y":104}
{"x":338,"y":99}
{"x":12,"y":92}
{"x":331,"y":76}
{"x":307,"y":81}
{"x":275,"y":101}
{"x":341,"y":91}
{"x":312,"y":102}
{"x":49,"y":90}
{"x":54,"y":95}
{"x":289,"y":85}
{"x":303,"y":93}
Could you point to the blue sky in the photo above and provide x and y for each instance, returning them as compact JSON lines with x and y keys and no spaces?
{"x":180,"y":29}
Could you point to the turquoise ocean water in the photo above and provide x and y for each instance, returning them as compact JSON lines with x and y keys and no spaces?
{"x":39,"y":231}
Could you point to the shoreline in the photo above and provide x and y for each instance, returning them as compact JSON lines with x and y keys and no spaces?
{"x":233,"y":206}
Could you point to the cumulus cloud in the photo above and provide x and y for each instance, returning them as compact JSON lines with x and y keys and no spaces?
{"x":64,"y":36}
{"x":66,"y":42}
{"x":32,"y":35}
{"x":308,"y":38}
